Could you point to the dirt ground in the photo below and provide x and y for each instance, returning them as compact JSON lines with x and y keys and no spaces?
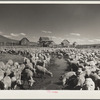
{"x":57,"y":67}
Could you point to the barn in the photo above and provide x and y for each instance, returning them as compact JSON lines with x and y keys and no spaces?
{"x":65,"y":43}
{"x":45,"y":41}
{"x":24,"y":42}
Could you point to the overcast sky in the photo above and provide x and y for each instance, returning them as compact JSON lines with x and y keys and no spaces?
{"x":80,"y":23}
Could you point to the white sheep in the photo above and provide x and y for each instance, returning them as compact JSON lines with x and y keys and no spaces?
{"x":41,"y":69}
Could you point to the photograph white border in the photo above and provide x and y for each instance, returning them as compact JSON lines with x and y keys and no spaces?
{"x":46,"y":94}
{"x":50,"y":2}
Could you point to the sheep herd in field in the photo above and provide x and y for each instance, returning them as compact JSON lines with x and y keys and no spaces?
{"x":82,"y":68}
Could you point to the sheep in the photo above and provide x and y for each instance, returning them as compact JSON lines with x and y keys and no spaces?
{"x":26,"y":60}
{"x":8,"y":72}
{"x":81,"y":80}
{"x":30,"y":66}
{"x":7,"y":82}
{"x":40,"y":69}
{"x":27,"y":75}
{"x":1,"y":74}
{"x":10,"y":62}
{"x":15,"y":82}
{"x":33,"y":61}
{"x":22,"y":66}
{"x":66,"y":76}
{"x":88,"y":84}
{"x":16,"y":65}
{"x":2,"y":65}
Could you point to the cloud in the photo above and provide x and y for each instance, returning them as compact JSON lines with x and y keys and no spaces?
{"x":97,"y":40}
{"x":80,"y":40}
{"x":53,"y":37}
{"x":22,"y":34}
{"x":56,"y":39}
{"x":90,"y":40}
{"x":46,"y":32}
{"x":15,"y":35}
{"x":49,"y":32}
{"x":94,"y":40}
{"x":75,"y":34}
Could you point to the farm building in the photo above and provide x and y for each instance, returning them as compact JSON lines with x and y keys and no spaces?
{"x":24,"y":42}
{"x":65,"y":43}
{"x":45,"y":41}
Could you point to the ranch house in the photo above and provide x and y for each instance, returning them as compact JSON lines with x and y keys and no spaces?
{"x":45,"y":41}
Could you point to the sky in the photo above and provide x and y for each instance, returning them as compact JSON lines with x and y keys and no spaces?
{"x":74,"y":22}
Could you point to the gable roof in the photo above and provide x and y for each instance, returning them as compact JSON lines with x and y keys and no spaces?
{"x":65,"y":41}
{"x":23,"y":39}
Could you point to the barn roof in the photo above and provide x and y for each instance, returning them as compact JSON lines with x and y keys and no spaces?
{"x":24,"y":39}
{"x":65,"y":41}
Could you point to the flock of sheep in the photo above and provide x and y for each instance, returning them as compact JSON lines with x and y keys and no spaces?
{"x":82,"y":68}
{"x":13,"y":74}
{"x":83,"y":71}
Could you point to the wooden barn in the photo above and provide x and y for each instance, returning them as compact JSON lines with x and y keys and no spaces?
{"x":24,"y":42}
{"x":65,"y":43}
{"x":45,"y":41}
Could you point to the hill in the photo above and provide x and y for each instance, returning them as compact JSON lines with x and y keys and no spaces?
{"x":5,"y":39}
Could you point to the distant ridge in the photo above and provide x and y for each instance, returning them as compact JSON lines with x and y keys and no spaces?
{"x":5,"y":39}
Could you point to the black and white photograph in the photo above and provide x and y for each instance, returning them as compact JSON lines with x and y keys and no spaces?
{"x":50,"y":47}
